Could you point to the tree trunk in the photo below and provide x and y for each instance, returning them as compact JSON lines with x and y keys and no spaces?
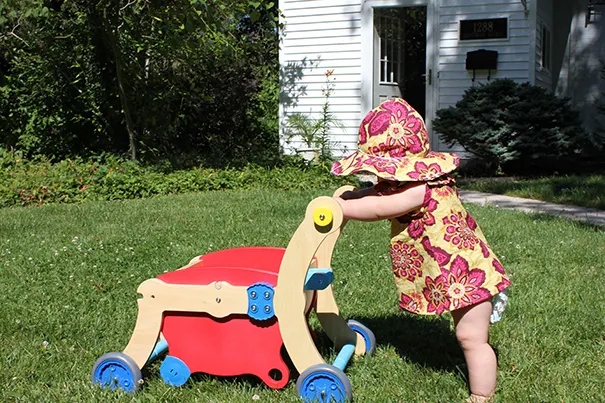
{"x":132,"y":145}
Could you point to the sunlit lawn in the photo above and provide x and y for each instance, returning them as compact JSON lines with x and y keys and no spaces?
{"x":586,"y":191}
{"x":69,"y":275}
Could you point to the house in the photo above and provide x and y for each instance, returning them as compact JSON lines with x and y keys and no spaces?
{"x":429,"y":52}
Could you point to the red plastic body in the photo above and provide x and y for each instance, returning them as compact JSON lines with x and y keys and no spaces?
{"x":237,"y":344}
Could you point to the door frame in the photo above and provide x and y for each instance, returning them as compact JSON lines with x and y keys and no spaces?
{"x":369,"y":90}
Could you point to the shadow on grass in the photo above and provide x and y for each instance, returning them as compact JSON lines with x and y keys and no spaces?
{"x":550,"y":218}
{"x":428,"y":342}
{"x":425,"y":341}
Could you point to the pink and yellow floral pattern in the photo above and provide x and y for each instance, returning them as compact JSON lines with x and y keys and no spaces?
{"x":393,"y":144}
{"x":407,"y":261}
{"x":457,"y":267}
{"x":460,"y":232}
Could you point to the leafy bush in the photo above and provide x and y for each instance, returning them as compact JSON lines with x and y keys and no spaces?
{"x":518,"y":128}
{"x":190,"y":81}
{"x":26,"y":182}
{"x":600,"y":120}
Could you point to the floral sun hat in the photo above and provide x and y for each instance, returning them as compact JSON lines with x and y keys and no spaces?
{"x":393,"y":144}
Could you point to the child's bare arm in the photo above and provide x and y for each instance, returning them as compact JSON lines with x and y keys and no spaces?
{"x":372,"y":207}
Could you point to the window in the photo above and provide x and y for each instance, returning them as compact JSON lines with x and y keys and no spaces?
{"x":546,"y":47}
{"x":391,"y":40}
{"x":594,"y":11}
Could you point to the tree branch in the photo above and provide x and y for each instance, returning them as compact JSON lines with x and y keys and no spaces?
{"x":12,"y":32}
{"x":130,"y":3}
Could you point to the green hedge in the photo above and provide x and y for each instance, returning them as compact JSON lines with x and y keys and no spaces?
{"x":37,"y":182}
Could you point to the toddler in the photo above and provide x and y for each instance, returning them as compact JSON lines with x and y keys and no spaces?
{"x":440,"y":259}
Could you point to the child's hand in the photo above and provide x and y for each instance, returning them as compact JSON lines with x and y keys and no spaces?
{"x":357,"y":194}
{"x":343,"y":189}
{"x":350,"y":194}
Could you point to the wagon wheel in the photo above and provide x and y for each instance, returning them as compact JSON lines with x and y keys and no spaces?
{"x":117,"y":370}
{"x":324,"y":383}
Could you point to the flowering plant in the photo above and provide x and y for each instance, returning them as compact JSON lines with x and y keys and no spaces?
{"x":315,"y":132}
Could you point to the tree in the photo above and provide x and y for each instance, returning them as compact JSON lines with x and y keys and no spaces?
{"x":153,"y":78}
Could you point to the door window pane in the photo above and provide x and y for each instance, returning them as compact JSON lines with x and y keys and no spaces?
{"x":546,"y":47}
{"x":402,"y":43}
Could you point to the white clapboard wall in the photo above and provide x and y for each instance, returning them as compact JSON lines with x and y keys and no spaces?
{"x":322,"y":35}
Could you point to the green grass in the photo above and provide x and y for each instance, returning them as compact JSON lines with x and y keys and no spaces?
{"x":585,"y":191}
{"x":69,"y":275}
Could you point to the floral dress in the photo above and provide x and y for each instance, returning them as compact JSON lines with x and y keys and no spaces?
{"x":441,"y":260}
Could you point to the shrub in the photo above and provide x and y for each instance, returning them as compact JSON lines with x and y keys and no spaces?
{"x":518,"y":128}
{"x":599,"y":130}
{"x":26,"y":182}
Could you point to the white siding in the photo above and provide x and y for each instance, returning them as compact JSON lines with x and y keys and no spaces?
{"x":513,"y":53}
{"x":323,"y":35}
{"x":319,"y":36}
{"x":580,"y":76}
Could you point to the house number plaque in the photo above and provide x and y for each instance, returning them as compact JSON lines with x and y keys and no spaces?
{"x":492,"y":28}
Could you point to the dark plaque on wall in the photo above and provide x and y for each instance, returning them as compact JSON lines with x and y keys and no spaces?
{"x":491,"y":28}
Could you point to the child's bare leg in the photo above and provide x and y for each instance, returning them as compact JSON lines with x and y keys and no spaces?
{"x":472,"y":329}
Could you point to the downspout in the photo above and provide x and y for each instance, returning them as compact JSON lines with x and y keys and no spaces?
{"x":531,"y":14}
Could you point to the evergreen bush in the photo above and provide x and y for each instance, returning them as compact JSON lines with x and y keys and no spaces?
{"x":518,"y":129}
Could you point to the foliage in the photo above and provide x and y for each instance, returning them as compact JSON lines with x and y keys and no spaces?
{"x":36,"y":182}
{"x":519,"y":128}
{"x":314,"y":132}
{"x":600,"y":131}
{"x":189,"y":80}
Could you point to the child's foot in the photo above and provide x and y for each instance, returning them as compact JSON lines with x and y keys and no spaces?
{"x":479,"y":399}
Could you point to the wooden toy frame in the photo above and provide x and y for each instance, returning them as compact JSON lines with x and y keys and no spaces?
{"x":311,"y":246}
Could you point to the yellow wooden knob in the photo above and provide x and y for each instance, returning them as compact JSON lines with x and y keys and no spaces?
{"x":322,"y":216}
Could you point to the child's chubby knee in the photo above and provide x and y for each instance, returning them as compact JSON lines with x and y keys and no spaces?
{"x":469,"y":338}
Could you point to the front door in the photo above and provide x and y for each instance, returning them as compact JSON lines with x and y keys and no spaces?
{"x":400,"y":55}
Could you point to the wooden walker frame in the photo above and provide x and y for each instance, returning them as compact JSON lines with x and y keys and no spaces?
{"x":303,"y":282}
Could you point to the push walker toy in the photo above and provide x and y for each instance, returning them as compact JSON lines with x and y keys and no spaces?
{"x":240,"y":311}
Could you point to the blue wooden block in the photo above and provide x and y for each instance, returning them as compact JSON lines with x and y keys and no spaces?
{"x":318,"y":279}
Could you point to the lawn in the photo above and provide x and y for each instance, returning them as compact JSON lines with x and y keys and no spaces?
{"x":70,"y":273}
{"x":585,"y":191}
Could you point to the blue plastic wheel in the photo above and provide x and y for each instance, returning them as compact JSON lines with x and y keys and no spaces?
{"x":367,"y":334}
{"x":324,"y":383}
{"x":174,"y":371}
{"x":117,"y":370}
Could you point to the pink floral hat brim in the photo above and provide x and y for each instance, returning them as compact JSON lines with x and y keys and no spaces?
{"x":412,"y":168}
